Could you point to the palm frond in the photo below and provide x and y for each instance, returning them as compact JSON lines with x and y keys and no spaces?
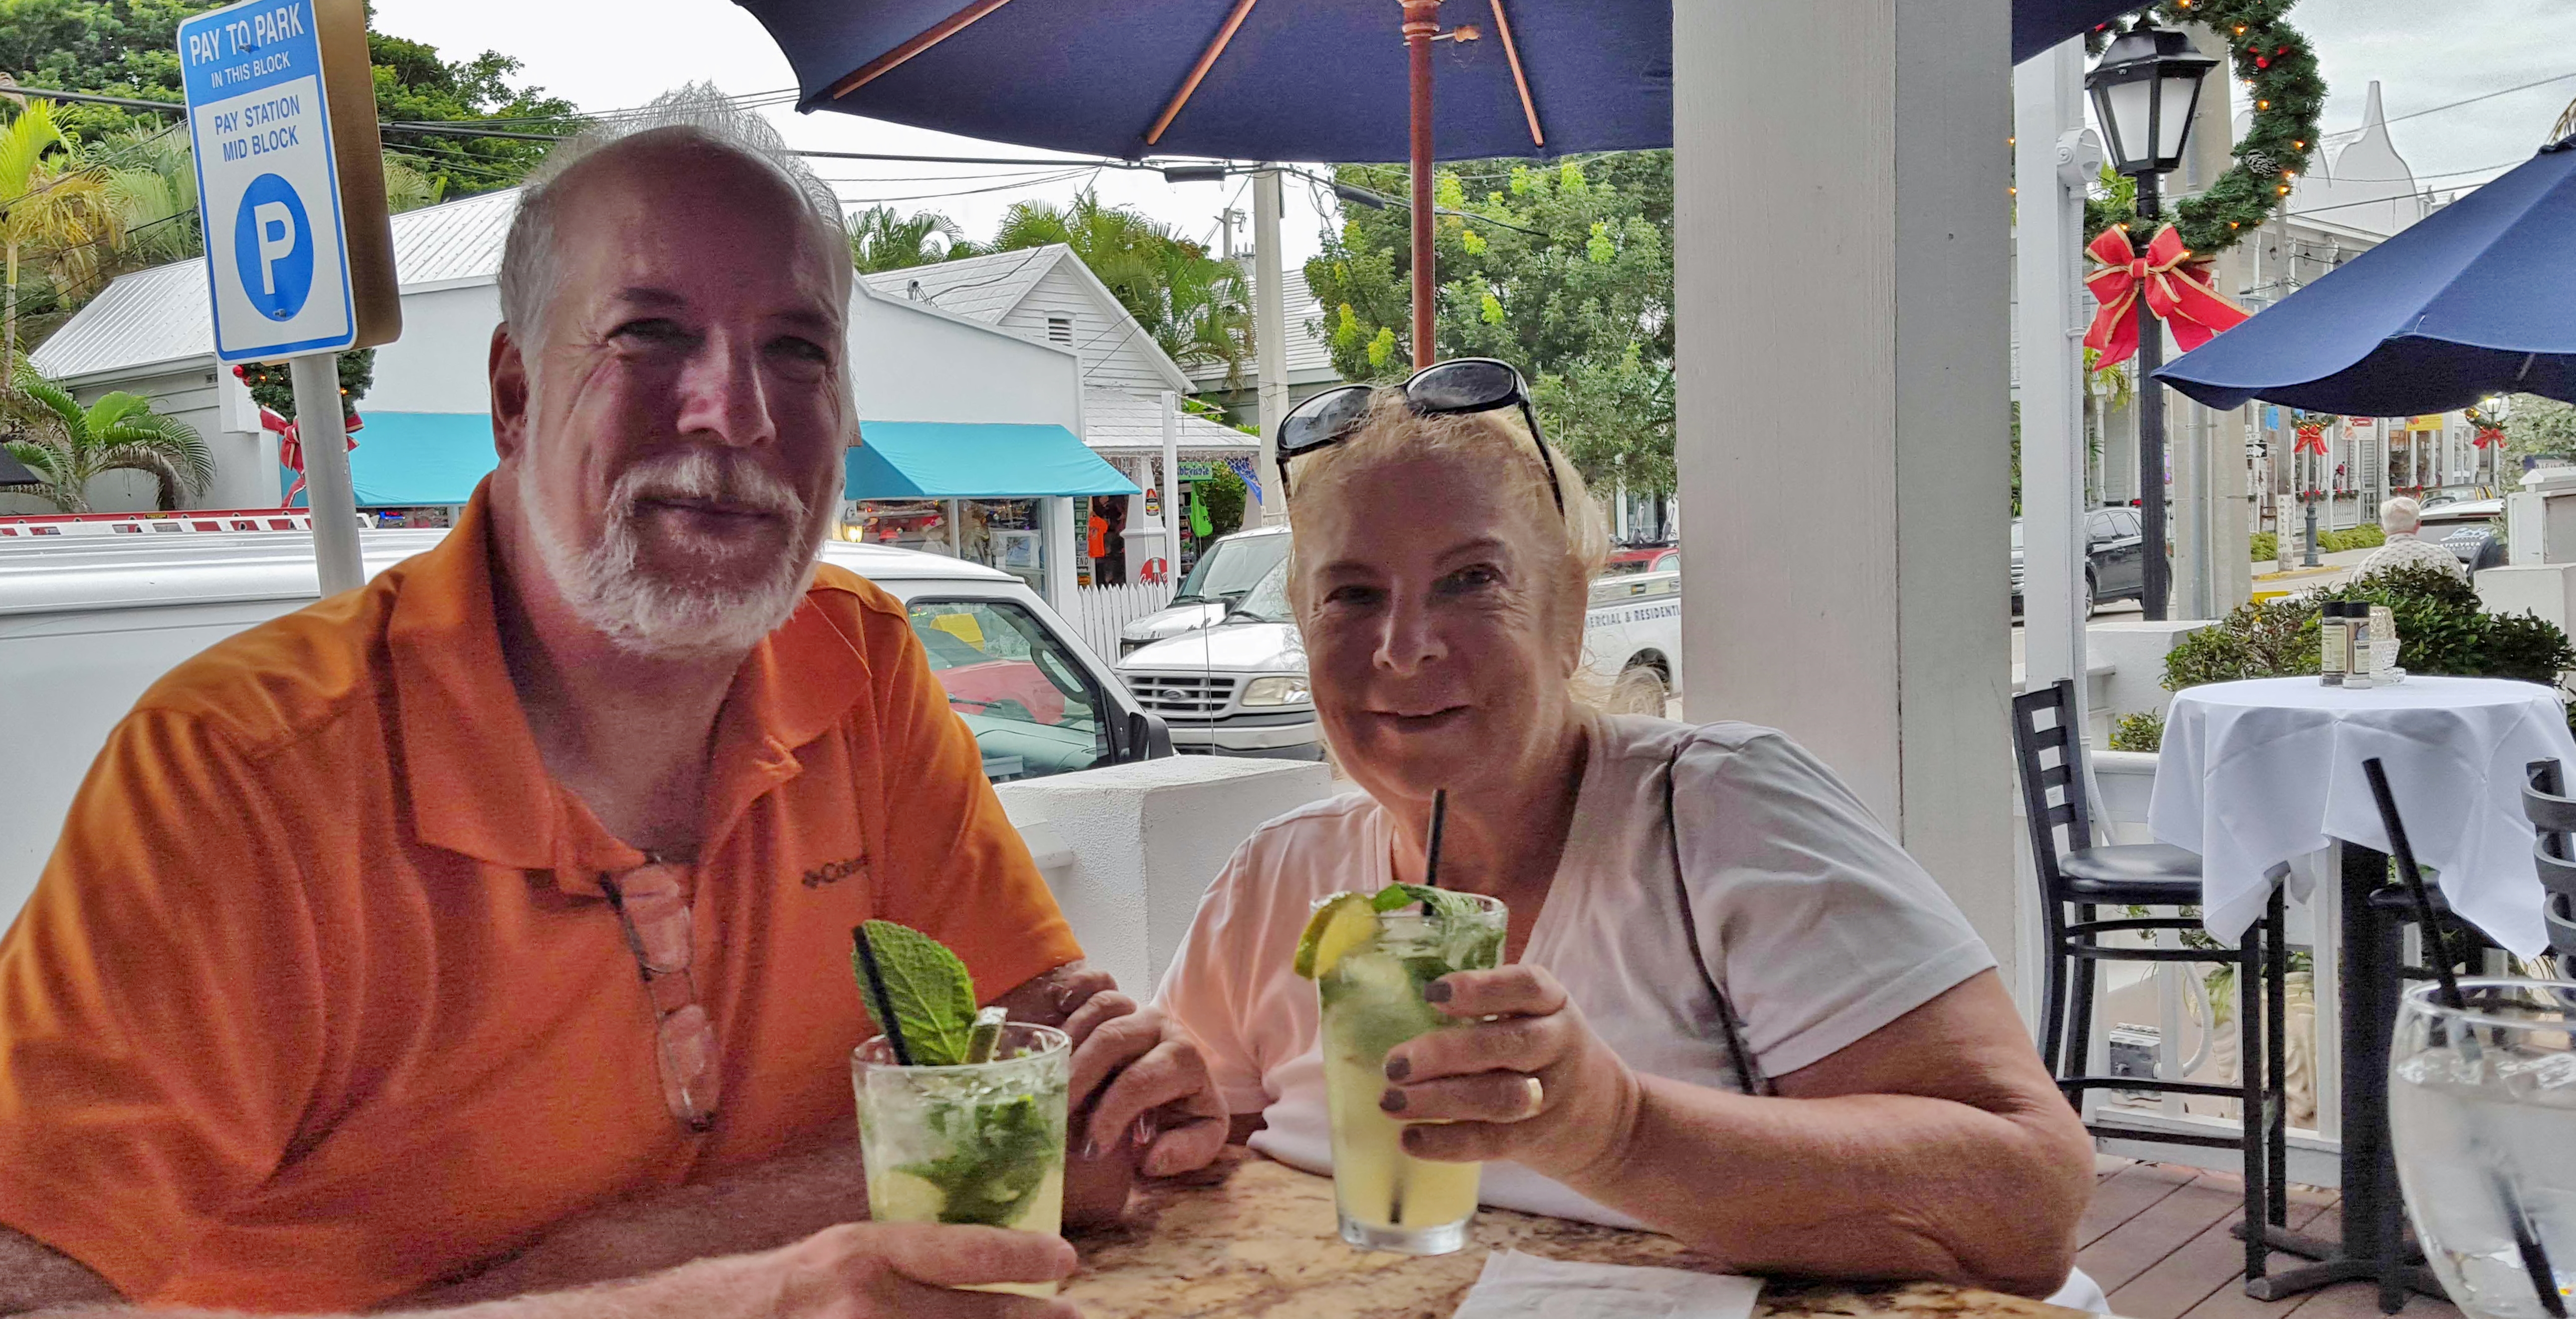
{"x":53,"y":398}
{"x":23,"y":145}
{"x":170,"y":437}
{"x":153,"y":462}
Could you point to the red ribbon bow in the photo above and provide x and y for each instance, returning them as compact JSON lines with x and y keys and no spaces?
{"x":2488,"y":437}
{"x":290,"y":448}
{"x":2312,"y":439}
{"x":2178,"y":292}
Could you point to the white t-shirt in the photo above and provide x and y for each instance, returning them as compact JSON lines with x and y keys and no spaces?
{"x":1821,"y":928}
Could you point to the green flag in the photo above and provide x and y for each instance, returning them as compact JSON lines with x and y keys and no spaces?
{"x":1199,"y":525}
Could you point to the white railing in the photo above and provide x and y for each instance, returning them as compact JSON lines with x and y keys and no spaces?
{"x":1100,"y":611}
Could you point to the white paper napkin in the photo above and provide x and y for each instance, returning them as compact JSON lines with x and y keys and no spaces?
{"x":1518,"y":1286}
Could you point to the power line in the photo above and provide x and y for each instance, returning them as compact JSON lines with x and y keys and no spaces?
{"x":2487,"y":96}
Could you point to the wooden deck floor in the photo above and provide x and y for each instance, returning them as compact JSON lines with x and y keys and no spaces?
{"x":2157,"y":1240}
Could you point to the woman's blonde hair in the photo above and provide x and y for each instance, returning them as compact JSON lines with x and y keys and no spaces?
{"x":1394,"y":432}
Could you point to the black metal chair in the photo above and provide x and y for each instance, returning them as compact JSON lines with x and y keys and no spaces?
{"x":2553,"y":817}
{"x":2076,"y":877}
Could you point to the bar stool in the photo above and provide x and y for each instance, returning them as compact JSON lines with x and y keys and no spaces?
{"x":2078,"y":876}
{"x":2553,"y":818}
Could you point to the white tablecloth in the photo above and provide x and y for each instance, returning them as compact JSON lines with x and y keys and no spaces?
{"x":2255,"y":773}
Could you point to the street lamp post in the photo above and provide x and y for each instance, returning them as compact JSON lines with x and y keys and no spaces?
{"x":2144,"y":92}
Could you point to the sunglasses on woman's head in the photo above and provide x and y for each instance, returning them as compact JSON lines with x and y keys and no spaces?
{"x":1468,"y":384}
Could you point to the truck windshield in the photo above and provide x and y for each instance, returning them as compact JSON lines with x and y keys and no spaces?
{"x":1230,"y":567}
{"x":1268,"y":601}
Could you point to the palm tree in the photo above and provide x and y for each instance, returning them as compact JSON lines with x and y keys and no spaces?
{"x":408,"y":188}
{"x":880,"y":239}
{"x":50,"y":204}
{"x":65,"y":444}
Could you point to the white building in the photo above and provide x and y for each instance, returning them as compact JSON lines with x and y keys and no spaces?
{"x":1047,"y":295}
{"x":939,"y":393}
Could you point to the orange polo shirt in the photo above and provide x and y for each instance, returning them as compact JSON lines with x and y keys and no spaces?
{"x":318,"y":1000}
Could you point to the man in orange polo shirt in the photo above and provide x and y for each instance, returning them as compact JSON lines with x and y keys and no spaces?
{"x":484,"y":931}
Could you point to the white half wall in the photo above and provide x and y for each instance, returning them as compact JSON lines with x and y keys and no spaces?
{"x":1128,"y":849}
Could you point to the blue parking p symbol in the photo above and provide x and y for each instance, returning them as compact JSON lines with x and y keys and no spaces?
{"x":273,"y":247}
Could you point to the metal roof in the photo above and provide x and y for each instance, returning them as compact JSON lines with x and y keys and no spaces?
{"x":1121,"y":422}
{"x":160,"y":314}
{"x":984,"y":288}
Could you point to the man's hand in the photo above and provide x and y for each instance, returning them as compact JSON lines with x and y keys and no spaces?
{"x":909,"y":1271}
{"x":1138,"y":1084}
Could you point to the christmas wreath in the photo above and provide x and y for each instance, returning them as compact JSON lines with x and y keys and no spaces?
{"x":272,"y":388}
{"x":2289,"y":95}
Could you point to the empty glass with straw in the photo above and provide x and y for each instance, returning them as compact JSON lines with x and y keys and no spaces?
{"x":2482,"y":1118}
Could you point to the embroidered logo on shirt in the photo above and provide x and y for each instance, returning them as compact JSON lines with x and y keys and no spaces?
{"x":834,"y":872}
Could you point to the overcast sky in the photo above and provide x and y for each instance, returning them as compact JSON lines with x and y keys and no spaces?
{"x":601,"y":55}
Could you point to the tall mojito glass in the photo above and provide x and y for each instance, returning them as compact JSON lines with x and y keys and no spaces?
{"x":974,"y":1143}
{"x":1370,"y":966}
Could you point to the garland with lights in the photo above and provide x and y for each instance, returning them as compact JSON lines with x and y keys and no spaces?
{"x":273,"y":389}
{"x":2289,"y":99}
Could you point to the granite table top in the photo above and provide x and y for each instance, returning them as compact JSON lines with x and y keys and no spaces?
{"x":1250,"y":1238}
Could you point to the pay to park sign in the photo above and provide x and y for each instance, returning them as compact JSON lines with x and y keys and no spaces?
{"x":270,"y":184}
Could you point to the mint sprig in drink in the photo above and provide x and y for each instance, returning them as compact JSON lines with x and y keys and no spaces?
{"x":1370,"y":957}
{"x":961,"y":1114}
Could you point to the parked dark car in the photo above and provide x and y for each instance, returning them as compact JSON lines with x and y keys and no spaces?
{"x":2115,"y":558}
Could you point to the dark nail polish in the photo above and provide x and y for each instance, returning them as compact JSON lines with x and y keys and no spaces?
{"x":1398,"y":1068}
{"x":1392,"y":1101}
{"x":1436,"y":992}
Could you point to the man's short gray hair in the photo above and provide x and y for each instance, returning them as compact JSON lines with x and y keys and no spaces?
{"x":696,"y":113}
{"x":2400,"y":514}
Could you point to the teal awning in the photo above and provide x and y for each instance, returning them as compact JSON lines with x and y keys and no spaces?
{"x":976,"y":460}
{"x":408,"y":459}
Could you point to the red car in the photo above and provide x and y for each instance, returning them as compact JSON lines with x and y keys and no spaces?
{"x":1643,"y":558}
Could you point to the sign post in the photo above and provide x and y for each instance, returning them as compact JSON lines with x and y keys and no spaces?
{"x":299,"y":249}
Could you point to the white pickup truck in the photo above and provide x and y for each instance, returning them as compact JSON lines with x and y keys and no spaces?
{"x":86,"y":623}
{"x":1239,"y":688}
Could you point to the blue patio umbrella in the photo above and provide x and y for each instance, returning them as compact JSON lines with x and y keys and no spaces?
{"x":2478,"y":298}
{"x":1289,"y":80}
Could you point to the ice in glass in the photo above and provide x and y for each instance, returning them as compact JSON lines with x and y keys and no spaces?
{"x":1370,"y":960}
{"x":973,"y":1143}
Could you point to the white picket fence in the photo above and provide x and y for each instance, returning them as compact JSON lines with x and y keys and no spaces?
{"x":1100,"y":611}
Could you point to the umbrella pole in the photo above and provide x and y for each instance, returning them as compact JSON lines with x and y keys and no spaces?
{"x":1421,"y":24}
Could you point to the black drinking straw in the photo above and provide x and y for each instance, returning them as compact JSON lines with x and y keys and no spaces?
{"x":877,"y":994}
{"x":1439,"y":818}
{"x":2535,"y":1259}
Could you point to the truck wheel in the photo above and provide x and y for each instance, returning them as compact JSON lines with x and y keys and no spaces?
{"x":1639,"y":690}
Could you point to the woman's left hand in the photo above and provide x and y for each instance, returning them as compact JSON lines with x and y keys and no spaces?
{"x":1522,"y":1078}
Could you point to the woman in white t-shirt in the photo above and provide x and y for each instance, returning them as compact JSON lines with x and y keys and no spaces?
{"x":1439,"y":577}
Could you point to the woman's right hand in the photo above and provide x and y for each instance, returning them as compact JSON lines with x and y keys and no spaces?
{"x":908,"y":1271}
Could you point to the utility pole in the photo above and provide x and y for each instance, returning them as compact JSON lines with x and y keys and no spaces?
{"x":1228,"y":219}
{"x":1269,"y":335}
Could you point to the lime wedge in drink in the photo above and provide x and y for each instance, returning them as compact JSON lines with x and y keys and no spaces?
{"x":1340,"y":923}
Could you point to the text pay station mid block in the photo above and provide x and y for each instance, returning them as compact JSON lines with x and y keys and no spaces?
{"x":267,"y":182}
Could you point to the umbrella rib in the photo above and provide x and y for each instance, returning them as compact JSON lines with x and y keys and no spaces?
{"x":1207,"y":60}
{"x":929,"y":37}
{"x":1512,"y":52}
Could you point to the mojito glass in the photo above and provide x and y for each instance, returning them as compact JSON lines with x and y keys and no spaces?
{"x":1372,"y":1002}
{"x":977,"y":1143}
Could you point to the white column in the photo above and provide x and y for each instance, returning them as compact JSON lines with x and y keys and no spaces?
{"x":1059,"y":543}
{"x":1840,"y":240}
{"x":1270,"y":336}
{"x":322,"y":428}
{"x":2049,"y":146}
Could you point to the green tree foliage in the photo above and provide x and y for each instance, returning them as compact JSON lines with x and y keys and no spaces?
{"x":1564,"y":270}
{"x":1224,"y":495}
{"x":273,"y":387}
{"x":413,"y":84}
{"x":883,"y":239}
{"x":1197,"y":308}
{"x":2539,"y":427}
{"x":66,"y":444}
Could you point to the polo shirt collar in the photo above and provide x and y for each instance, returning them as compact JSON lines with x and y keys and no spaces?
{"x":477,"y":783}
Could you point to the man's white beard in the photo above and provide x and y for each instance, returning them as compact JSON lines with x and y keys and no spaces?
{"x":683,"y":614}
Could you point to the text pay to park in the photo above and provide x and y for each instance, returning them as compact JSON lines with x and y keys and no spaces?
{"x":267,"y":183}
